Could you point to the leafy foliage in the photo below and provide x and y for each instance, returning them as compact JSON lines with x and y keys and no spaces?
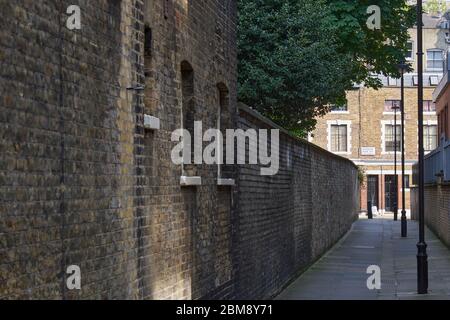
{"x":435,"y":6}
{"x":373,"y":51}
{"x":298,"y":56}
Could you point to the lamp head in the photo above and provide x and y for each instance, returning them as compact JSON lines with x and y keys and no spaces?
{"x":402,"y":67}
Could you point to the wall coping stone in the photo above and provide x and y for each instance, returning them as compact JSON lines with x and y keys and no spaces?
{"x":244,"y":108}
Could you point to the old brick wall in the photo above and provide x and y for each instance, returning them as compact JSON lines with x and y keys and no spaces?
{"x":66,"y":145}
{"x":437,"y":210}
{"x":82,"y":182}
{"x":189,"y":252}
{"x":283,"y":223}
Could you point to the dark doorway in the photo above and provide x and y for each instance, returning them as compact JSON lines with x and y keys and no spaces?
{"x":390,"y":192}
{"x":372,"y":190}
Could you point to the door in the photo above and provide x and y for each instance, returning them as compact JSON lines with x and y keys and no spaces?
{"x":372,"y":190}
{"x":390,"y":192}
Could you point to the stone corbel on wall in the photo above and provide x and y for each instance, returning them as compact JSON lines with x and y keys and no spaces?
{"x":186,"y":181}
{"x":151,"y":122}
{"x":225,"y":182}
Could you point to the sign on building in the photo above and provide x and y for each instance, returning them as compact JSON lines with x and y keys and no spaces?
{"x":368,"y":151}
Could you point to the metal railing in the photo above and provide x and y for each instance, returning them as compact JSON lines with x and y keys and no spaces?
{"x":436,"y":165}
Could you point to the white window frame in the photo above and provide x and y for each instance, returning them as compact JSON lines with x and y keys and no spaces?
{"x":431,"y":123}
{"x":348,"y":123}
{"x":443,"y":59}
{"x":383,"y":136}
{"x":437,"y":80}
{"x":340,"y":112}
{"x":426,"y":123}
{"x":412,"y":51}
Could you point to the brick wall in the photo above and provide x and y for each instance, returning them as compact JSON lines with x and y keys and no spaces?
{"x":189,"y":255}
{"x":437,"y":211}
{"x":66,"y":172}
{"x":82,"y":182}
{"x":285,"y":222}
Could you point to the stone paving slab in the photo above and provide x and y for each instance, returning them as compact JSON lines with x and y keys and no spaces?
{"x":341,"y":273}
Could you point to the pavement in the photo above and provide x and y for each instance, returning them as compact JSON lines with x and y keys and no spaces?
{"x":341,"y":274}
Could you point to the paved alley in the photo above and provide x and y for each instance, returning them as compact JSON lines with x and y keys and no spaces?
{"x":341,"y":273}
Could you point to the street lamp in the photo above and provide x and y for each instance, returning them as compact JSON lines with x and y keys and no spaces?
{"x":402,"y":67}
{"x":395,"y":107}
{"x":422,"y":258}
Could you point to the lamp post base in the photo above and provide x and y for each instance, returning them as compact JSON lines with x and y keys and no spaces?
{"x":395,"y":214}
{"x":404,"y":225}
{"x":422,"y":268}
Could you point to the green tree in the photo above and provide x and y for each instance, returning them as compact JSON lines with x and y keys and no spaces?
{"x":298,"y":56}
{"x":435,"y":6}
{"x":373,"y":51}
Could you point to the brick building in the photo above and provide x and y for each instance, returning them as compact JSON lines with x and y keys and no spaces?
{"x":363,"y":129}
{"x":437,"y":169}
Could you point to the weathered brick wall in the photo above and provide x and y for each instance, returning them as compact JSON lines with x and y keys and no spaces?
{"x":82,"y":182}
{"x":437,"y":210}
{"x":66,"y":145}
{"x":189,"y":227}
{"x":283,"y":223}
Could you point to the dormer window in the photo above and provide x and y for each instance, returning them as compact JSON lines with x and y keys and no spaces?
{"x":434,"y":80}
{"x":392,"y":81}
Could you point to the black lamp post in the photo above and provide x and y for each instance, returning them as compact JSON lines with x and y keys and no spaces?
{"x":422,"y":258}
{"x":395,"y":107}
{"x":402,"y":68}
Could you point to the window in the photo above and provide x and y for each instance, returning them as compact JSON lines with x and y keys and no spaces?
{"x":339,"y":138}
{"x":409,"y":52}
{"x":223,"y":123}
{"x":429,"y":137}
{"x":339,"y":107}
{"x":188,"y":108}
{"x":442,"y":122}
{"x":148,"y":41}
{"x":391,"y":105}
{"x":188,"y":101}
{"x":392,"y":81}
{"x":444,"y":119}
{"x":434,"y":80}
{"x":391,"y":140}
{"x":168,"y":9}
{"x":435,"y":60}
{"x":429,"y":106}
